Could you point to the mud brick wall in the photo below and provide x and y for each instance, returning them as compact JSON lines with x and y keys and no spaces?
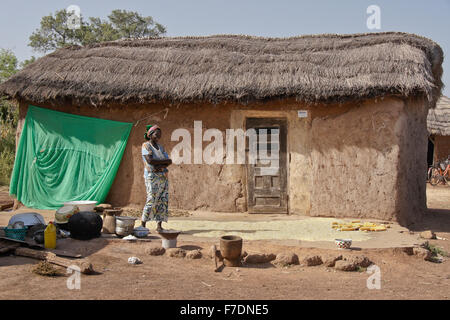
{"x":350,"y":160}
{"x":371,"y":164}
{"x":441,"y":147}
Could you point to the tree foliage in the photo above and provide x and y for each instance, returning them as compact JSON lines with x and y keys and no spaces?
{"x":8,"y":64}
{"x":8,"y":67}
{"x":55,"y":31}
{"x":8,"y":118}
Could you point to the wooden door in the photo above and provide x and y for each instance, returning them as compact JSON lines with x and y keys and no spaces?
{"x":267,"y":189}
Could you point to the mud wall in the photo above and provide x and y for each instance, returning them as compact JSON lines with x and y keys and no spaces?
{"x":441,"y":147}
{"x":191,"y":186}
{"x":368,"y":161}
{"x":343,"y":160}
{"x":354,"y":157}
{"x":412,"y":166}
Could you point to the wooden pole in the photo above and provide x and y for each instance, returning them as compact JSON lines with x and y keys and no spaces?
{"x":84,"y":265}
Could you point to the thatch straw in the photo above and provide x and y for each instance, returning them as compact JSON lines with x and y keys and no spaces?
{"x":320,"y":68}
{"x":438,"y":120}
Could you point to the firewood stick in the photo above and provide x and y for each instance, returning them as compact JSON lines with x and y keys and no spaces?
{"x":84,"y":265}
{"x":214,"y":250}
{"x":217,"y":256}
{"x":9,"y":248}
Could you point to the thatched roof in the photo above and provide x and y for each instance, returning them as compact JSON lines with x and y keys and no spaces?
{"x":438,"y":120}
{"x":318,"y":68}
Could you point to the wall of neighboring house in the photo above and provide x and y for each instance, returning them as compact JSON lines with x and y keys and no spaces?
{"x":441,"y":147}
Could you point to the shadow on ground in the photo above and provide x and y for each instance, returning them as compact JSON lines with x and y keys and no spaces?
{"x":437,"y":220}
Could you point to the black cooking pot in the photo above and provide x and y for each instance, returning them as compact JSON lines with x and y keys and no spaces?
{"x":63,"y":226}
{"x":39,"y":236}
{"x":85,"y":225}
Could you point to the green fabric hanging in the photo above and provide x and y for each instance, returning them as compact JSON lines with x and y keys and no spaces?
{"x":64,"y":157}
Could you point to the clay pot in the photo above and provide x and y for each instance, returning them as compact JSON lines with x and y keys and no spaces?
{"x":231,"y":248}
{"x":109,"y":219}
{"x":85,"y":225}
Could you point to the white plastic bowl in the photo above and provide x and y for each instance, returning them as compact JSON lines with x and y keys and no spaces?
{"x":83,"y":205}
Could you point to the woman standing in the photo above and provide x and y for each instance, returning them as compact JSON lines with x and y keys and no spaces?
{"x":156,"y":161}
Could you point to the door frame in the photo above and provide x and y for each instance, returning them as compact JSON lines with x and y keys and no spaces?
{"x":284,"y":158}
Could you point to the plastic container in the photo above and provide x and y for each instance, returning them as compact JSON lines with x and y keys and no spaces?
{"x":17,"y":234}
{"x":83,"y":205}
{"x":63,"y":214}
{"x":141,"y":232}
{"x":50,"y":236}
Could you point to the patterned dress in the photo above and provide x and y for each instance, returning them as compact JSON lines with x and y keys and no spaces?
{"x":157,"y":185}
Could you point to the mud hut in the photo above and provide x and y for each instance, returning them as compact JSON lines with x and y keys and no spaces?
{"x":438,"y":123}
{"x":350,"y":111}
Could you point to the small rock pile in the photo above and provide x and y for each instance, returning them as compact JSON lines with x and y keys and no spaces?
{"x":351,"y":263}
{"x":428,"y":234}
{"x":175,"y":253}
{"x":338,"y":261}
{"x":285,"y":259}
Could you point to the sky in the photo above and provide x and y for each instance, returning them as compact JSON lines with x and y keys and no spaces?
{"x":275,"y":18}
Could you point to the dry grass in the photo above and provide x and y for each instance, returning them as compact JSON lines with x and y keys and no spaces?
{"x":438,"y":120}
{"x":45,"y":268}
{"x":317,"y":68}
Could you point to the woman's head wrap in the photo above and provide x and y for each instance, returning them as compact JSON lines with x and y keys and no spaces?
{"x":150,"y":129}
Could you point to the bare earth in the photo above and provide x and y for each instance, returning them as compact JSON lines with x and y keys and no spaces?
{"x":163,"y":277}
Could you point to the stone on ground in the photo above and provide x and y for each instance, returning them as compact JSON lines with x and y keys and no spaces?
{"x":259,"y":258}
{"x":194,"y":254}
{"x":428,"y":234}
{"x":352,"y":263}
{"x":158,"y":251}
{"x":176,"y":253}
{"x":286,"y":259}
{"x":311,"y":261}
{"x":423,"y":253}
{"x":330,"y":261}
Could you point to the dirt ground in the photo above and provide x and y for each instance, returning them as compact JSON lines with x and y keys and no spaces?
{"x":161,"y":277}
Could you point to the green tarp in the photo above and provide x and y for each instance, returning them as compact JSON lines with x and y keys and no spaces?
{"x":64,"y":157}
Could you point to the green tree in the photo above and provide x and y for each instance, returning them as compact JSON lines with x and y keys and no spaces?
{"x":8,"y":67}
{"x":26,"y":62}
{"x":8,"y":64}
{"x":132,"y":25}
{"x":55,"y":31}
{"x":8,"y":118}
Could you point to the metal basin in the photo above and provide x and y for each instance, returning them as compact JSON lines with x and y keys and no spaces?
{"x":124,"y":226}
